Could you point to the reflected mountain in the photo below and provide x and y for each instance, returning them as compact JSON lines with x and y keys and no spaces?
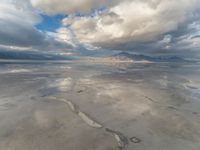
{"x":33,"y":55}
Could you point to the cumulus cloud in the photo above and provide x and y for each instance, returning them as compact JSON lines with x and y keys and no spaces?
{"x":134,"y":22}
{"x":146,"y":25}
{"x":17,"y":26}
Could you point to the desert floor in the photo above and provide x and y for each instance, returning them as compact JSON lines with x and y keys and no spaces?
{"x":68,"y":106}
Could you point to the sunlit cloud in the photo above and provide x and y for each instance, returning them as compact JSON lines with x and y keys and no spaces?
{"x":133,"y":25}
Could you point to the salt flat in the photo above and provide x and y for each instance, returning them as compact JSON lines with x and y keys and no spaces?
{"x":68,"y":106}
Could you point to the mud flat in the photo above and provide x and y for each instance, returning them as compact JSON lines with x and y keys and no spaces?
{"x":99,"y":107}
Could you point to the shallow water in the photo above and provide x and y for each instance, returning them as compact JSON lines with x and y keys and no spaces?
{"x":62,"y":105}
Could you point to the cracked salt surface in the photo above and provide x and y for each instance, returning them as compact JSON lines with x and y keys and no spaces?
{"x":120,"y":138}
{"x":70,"y":104}
{"x":96,"y":115}
{"x":82,"y":115}
{"x":88,"y":120}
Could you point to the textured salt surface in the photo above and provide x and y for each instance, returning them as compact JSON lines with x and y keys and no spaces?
{"x":82,"y":115}
{"x":100,"y":107}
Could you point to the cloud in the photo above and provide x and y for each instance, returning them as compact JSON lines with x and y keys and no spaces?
{"x":151,"y":26}
{"x":132,"y":24}
{"x":17,"y":27}
{"x":66,"y":6}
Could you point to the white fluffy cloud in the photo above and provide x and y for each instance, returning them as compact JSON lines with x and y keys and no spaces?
{"x":124,"y":24}
{"x":134,"y":21}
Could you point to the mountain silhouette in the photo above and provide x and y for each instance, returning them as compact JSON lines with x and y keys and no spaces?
{"x":31,"y":55}
{"x":141,"y":57}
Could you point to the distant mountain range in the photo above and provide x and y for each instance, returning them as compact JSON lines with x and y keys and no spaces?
{"x":140,"y":57}
{"x":120,"y":57}
{"x":32,"y":55}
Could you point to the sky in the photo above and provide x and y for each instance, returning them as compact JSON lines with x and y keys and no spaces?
{"x":142,"y":26}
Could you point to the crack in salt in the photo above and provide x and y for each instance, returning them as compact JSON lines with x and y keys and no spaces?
{"x":82,"y":115}
{"x":72,"y":106}
{"x":120,"y":138}
{"x":122,"y":141}
{"x":88,"y":120}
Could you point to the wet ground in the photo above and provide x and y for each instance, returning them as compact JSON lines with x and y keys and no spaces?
{"x":68,"y":106}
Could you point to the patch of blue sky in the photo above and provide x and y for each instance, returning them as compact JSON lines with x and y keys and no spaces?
{"x":196,"y":33}
{"x":50,"y":23}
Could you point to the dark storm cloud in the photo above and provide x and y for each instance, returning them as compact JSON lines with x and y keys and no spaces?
{"x":17,"y":34}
